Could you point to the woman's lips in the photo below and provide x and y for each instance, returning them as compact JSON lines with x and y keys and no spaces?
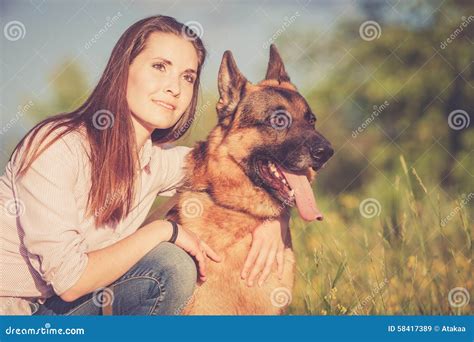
{"x":164,"y":104}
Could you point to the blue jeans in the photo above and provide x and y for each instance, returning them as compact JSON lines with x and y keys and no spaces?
{"x":160,"y":283}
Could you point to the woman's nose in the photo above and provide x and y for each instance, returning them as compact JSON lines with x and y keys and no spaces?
{"x":172,"y":86}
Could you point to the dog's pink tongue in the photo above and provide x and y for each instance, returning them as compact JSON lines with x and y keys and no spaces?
{"x":305,"y":201}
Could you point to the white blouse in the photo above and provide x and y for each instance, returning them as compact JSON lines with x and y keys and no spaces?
{"x":44,"y":233}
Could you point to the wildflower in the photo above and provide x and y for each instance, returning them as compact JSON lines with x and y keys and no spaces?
{"x":411,"y":263}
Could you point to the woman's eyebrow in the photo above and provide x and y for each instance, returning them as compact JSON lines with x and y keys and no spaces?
{"x":166,"y":61}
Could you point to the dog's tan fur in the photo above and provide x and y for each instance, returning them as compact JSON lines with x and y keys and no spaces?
{"x":229,"y":234}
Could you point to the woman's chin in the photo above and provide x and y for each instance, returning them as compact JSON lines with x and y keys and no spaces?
{"x":162,"y":125}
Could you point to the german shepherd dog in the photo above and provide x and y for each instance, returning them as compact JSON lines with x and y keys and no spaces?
{"x":255,"y":164}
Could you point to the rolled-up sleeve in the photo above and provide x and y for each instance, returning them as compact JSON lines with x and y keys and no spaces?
{"x":49,"y":215}
{"x":173,"y":161}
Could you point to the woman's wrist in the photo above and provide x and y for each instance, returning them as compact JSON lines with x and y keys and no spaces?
{"x":162,"y":230}
{"x":174,"y":235}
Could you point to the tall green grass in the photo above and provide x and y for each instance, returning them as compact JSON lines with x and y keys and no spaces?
{"x":404,"y":260}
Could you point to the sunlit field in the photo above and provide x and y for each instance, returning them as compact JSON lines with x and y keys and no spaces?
{"x":400,"y":252}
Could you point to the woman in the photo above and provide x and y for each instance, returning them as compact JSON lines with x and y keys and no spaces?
{"x":79,"y":185}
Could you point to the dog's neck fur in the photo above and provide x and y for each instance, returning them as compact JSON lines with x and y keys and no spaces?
{"x":210,"y":167}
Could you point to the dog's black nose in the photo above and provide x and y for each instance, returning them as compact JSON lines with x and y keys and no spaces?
{"x":321,"y":154}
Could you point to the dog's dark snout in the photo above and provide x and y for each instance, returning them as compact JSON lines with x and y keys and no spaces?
{"x":320,"y":153}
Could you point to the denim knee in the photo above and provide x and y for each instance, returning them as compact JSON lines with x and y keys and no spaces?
{"x":177,"y":273}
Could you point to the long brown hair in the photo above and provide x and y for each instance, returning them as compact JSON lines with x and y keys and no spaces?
{"x":114,"y":155}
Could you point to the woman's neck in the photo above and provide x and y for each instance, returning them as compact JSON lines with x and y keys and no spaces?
{"x":141,"y":132}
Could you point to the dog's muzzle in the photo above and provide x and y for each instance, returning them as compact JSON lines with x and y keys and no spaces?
{"x":321,"y":155}
{"x":320,"y":150}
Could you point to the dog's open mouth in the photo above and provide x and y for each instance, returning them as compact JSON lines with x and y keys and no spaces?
{"x":291,"y":188}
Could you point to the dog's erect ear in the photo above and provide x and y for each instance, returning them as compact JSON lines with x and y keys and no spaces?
{"x":230,"y":84}
{"x":276,"y":69}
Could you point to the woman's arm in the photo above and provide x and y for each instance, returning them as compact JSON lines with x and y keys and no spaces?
{"x":106,"y":265}
{"x":51,"y":226}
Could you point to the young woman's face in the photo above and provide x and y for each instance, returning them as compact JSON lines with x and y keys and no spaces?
{"x":161,"y":80}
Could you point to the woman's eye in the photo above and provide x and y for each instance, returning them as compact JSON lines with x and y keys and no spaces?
{"x":159,"y":66}
{"x":189,"y":78}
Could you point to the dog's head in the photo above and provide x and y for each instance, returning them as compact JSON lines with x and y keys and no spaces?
{"x":265,"y":134}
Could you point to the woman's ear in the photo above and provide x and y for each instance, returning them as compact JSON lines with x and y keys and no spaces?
{"x":230,"y":84}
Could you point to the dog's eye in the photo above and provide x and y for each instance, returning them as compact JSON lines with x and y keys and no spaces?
{"x":311,"y":118}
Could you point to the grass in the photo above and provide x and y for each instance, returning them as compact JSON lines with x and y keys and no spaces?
{"x":402,"y":260}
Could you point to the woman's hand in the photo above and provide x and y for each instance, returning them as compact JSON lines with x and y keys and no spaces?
{"x":267,"y":244}
{"x":197,"y":248}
